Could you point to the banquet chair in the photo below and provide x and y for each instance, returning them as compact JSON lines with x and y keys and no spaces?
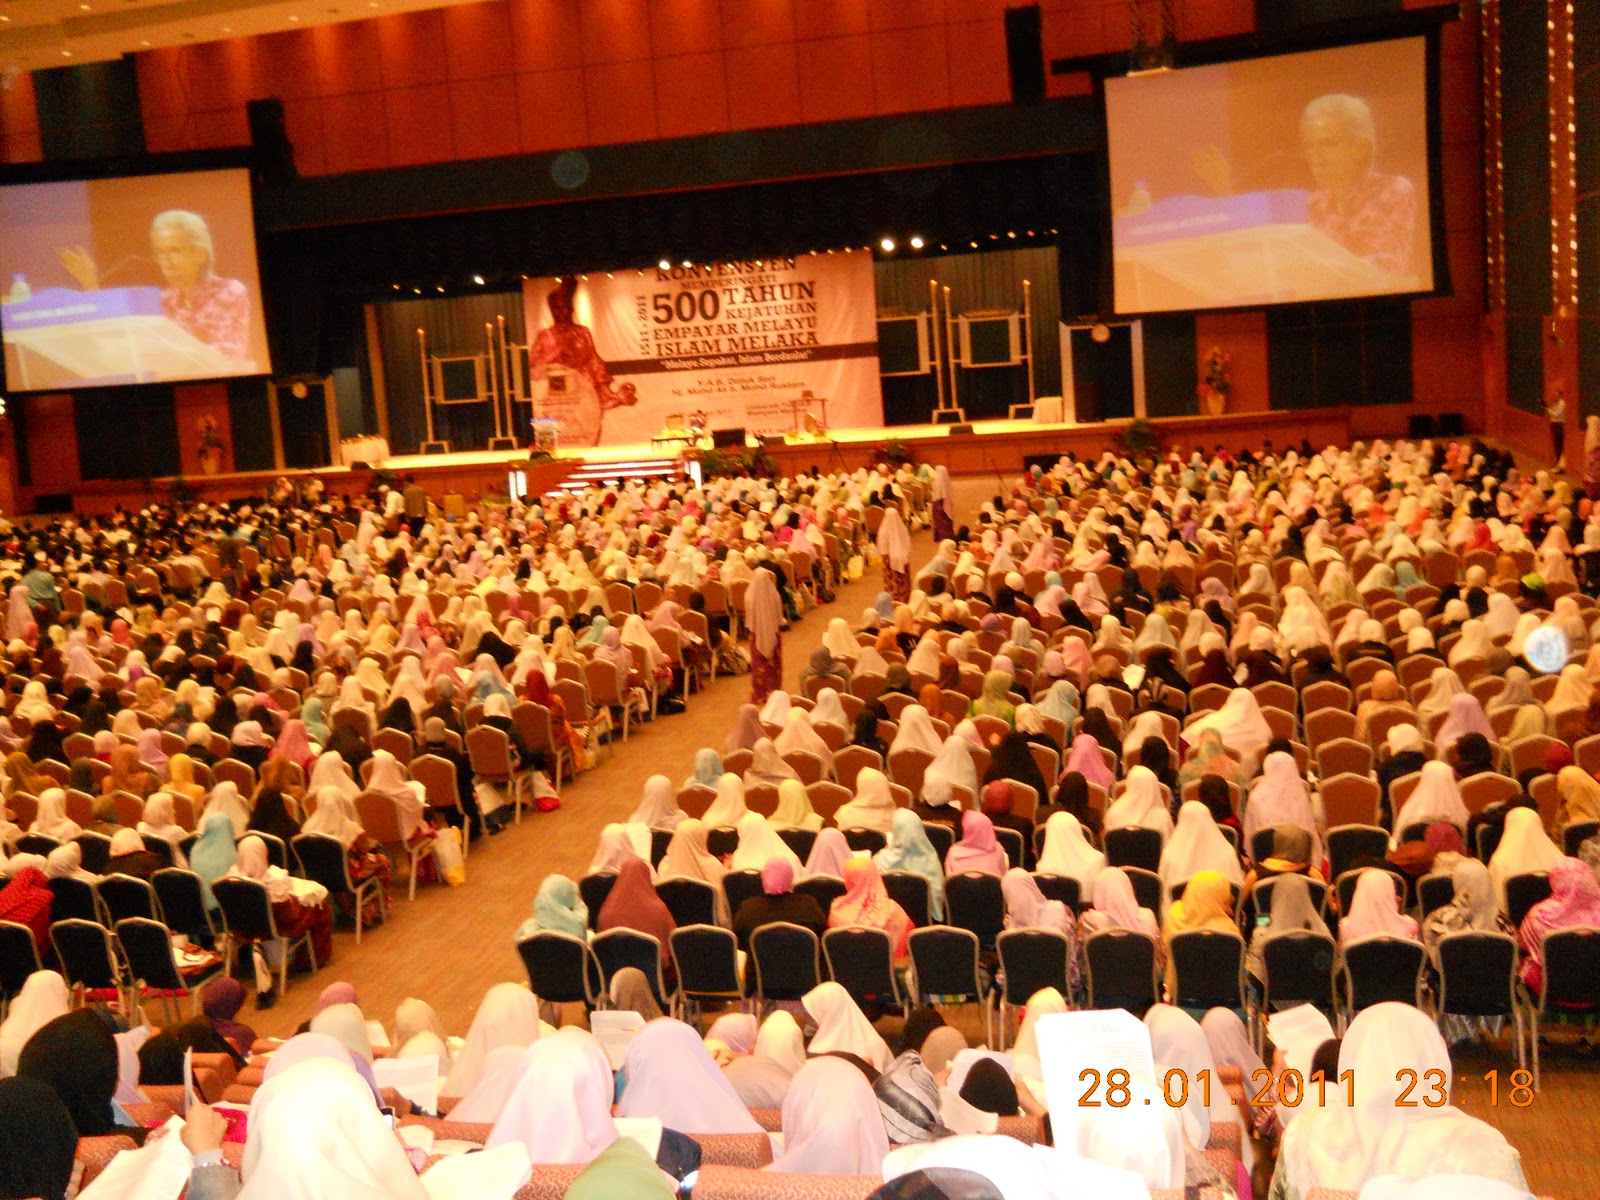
{"x":1030,"y":960}
{"x":739,"y":886}
{"x":75,"y":899}
{"x":1147,"y":889}
{"x":562,"y":969}
{"x":785,"y":963}
{"x":90,"y":961}
{"x":690,"y":901}
{"x":1571,"y":983}
{"x":1209,"y":969}
{"x":1379,"y":969}
{"x":615,"y":949}
{"x":824,"y":889}
{"x":441,"y":788}
{"x":19,"y":958}
{"x":1133,"y":846}
{"x":1477,"y":977}
{"x":1347,"y":843}
{"x":944,"y":964}
{"x":323,"y":859}
{"x":489,"y":751}
{"x":183,"y":905}
{"x":1063,"y":888}
{"x":911,"y":892}
{"x":594,"y":888}
{"x":1523,"y":892}
{"x":147,"y":949}
{"x":380,"y":817}
{"x":1299,"y":970}
{"x":123,"y":896}
{"x":974,"y":901}
{"x":706,"y":958}
{"x":247,"y":920}
{"x":1120,"y":970}
{"x":860,"y":959}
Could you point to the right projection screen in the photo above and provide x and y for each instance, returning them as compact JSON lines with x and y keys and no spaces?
{"x":1272,"y":180}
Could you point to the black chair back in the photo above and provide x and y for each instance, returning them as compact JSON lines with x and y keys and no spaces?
{"x":96,"y":849}
{"x":940,"y":836}
{"x":707,"y":961}
{"x":660,"y":839}
{"x":1435,"y":891}
{"x":1522,"y":893}
{"x":861,"y":961}
{"x":1031,"y":960}
{"x":865,"y":841}
{"x":1146,"y":888}
{"x":800,"y":841}
{"x":147,"y":946}
{"x":246,"y":909}
{"x":1261,"y":844}
{"x":787,"y":960}
{"x":1572,"y":971}
{"x":974,"y":900}
{"x":618,"y":948}
{"x":87,"y":954}
{"x":183,"y":904}
{"x":1120,"y":970}
{"x":739,"y":886}
{"x":911,"y":892}
{"x":594,"y":889}
{"x":1133,"y":846}
{"x":37,"y":843}
{"x":1486,"y":840}
{"x":19,"y":958}
{"x":323,"y":859}
{"x":1348,"y":843}
{"x":160,"y":847}
{"x":1209,"y":966}
{"x":1060,"y":887}
{"x":128,"y":896}
{"x":690,"y":901}
{"x":1299,"y":968}
{"x":1011,"y":841}
{"x":1478,"y":974}
{"x":1378,"y":969}
{"x":946,"y":962}
{"x":824,"y":889}
{"x":74,"y":900}
{"x":561,"y":969}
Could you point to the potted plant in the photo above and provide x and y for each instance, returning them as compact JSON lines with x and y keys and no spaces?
{"x":896,"y":452}
{"x":211,"y":445}
{"x":1139,"y":439}
{"x":1214,"y":388}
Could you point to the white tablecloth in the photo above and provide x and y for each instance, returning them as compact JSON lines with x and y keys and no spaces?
{"x":1047,"y":410}
{"x":373,"y":450}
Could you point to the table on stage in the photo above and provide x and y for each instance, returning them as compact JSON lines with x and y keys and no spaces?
{"x":370,"y":450}
{"x":1048,"y":410}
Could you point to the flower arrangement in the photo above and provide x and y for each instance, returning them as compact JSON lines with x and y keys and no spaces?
{"x":211,"y":445}
{"x":731,"y":460}
{"x":897,"y":452}
{"x":1214,"y":388}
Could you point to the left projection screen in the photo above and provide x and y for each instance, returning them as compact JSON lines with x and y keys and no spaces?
{"x":137,"y":279}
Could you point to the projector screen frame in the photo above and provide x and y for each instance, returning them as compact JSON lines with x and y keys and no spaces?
{"x":1425,"y":24}
{"x":100,"y":170}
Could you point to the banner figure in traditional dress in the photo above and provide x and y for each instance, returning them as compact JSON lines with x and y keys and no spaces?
{"x":576,"y":384}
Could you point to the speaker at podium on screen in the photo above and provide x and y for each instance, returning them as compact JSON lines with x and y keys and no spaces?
{"x":62,"y":337}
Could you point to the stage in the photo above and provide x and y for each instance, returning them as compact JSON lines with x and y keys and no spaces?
{"x":992,"y":446}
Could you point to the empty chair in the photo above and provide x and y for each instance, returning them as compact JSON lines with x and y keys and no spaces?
{"x":323,"y":859}
{"x":975,"y":901}
{"x":1120,"y":970}
{"x":89,"y":958}
{"x":247,"y":920}
{"x":690,"y":901}
{"x":1477,"y":972}
{"x":75,"y":899}
{"x":183,"y":905}
{"x":127,"y":896}
{"x":562,"y":969}
{"x":1382,"y":968}
{"x":786,"y":961}
{"x":707,"y":965}
{"x":945,"y":962}
{"x":1299,"y":969}
{"x":861,"y":961}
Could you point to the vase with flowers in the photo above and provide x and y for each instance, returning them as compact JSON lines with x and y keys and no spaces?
{"x":211,"y":445}
{"x":1216,"y":383}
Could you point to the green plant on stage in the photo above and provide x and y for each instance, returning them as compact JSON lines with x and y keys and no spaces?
{"x":732,"y":460}
{"x":897,"y":452}
{"x":1138,"y":438}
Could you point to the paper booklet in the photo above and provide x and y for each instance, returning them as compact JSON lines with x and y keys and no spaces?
{"x":497,"y":1172}
{"x":415,"y":1078}
{"x":1077,"y":1051}
{"x":158,"y":1170}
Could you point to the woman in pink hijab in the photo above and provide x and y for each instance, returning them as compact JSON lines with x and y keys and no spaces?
{"x":977,"y":850}
{"x":1574,"y":900}
{"x":1087,"y":760}
{"x":295,"y":745}
{"x":866,"y":902}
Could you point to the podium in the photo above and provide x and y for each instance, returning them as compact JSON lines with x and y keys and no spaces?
{"x":115,"y":335}
{"x":1257,"y":248}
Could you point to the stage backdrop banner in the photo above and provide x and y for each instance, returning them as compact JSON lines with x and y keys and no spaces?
{"x":619,"y":358}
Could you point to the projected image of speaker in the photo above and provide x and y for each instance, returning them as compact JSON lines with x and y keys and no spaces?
{"x":723,"y":438}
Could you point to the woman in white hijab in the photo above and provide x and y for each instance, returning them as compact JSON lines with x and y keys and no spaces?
{"x":952,"y":767}
{"x":762,"y":1077}
{"x":388,"y":778}
{"x":51,"y":819}
{"x":658,"y":806}
{"x":1197,"y":845}
{"x":1341,"y":1146}
{"x":1524,"y":849}
{"x":671,"y":1076}
{"x":1436,"y":798}
{"x":1280,"y":797}
{"x":799,"y":735}
{"x":872,"y":807}
{"x":829,"y":710}
{"x":1240,"y":725}
{"x":916,"y":732}
{"x":560,"y":1109}
{"x":843,"y":1027}
{"x":618,"y":843}
{"x":42,"y":998}
{"x":225,"y":799}
{"x":330,"y":770}
{"x":1142,"y":804}
{"x":1375,"y":910}
{"x":335,"y":817}
{"x":1475,"y":642}
{"x":158,"y":822}
{"x":759,"y":843}
{"x":1179,"y":1044}
{"x":831,"y":1122}
{"x":729,"y":806}
{"x":1442,"y":685}
{"x":1067,"y":852}
{"x":508,"y":1015}
{"x":776,"y":710}
{"x":841,"y":643}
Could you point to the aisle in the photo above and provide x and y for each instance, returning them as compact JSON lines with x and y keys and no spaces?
{"x":450,"y":944}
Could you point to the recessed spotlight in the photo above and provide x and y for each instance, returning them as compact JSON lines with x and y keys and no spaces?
{"x":66,"y":54}
{"x":86,"y":7}
{"x":687,"y":264}
{"x":439,"y":287}
{"x":916,"y":242}
{"x":227,"y":29}
{"x":145,"y":42}
{"x":888,"y":245}
{"x":5,"y":18}
{"x":664,"y":265}
{"x":478,"y":279}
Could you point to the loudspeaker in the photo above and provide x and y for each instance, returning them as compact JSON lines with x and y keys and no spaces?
{"x":1420,"y":426}
{"x":1025,"y":54}
{"x":964,"y":428}
{"x":772,"y":439}
{"x":274,"y":152}
{"x":727,"y":437}
{"x":1451,"y":425}
{"x":437,"y":447}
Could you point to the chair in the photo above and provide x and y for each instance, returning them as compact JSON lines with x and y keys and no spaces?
{"x":1209,"y":969}
{"x":690,"y":901}
{"x":1478,"y":978}
{"x":1382,"y":968}
{"x":861,"y":961}
{"x":800,"y":841}
{"x":739,"y":886}
{"x":183,"y":905}
{"x":1030,"y":961}
{"x":1530,"y":752}
{"x":1571,"y":983}
{"x":247,"y":920}
{"x":1576,"y":834}
{"x":562,"y":969}
{"x":96,"y":849}
{"x":911,"y":892}
{"x":19,"y":958}
{"x":396,"y":742}
{"x":37,"y":843}
{"x":1478,"y":792}
{"x":126,"y":896}
{"x":1522,"y":893}
{"x":1120,"y":970}
{"x":945,"y":963}
{"x":786,"y":961}
{"x":1299,"y":970}
{"x":323,"y":860}
{"x":1133,"y":846}
{"x":865,"y":841}
{"x":1434,"y":891}
{"x":618,"y":948}
{"x":1351,"y":798}
{"x":441,"y":788}
{"x":975,"y":902}
{"x":533,"y":723}
{"x":1146,"y":888}
{"x":1064,"y":888}
{"x":708,"y":967}
{"x":89,"y":959}
{"x":594,"y":888}
{"x":1010,"y":840}
{"x":1347,"y":843}
{"x":940,"y":836}
{"x":606,"y":690}
{"x":824,"y":889}
{"x":489,"y":752}
{"x":147,"y":949}
{"x":849,"y":762}
{"x":75,"y":899}
{"x":380,"y":817}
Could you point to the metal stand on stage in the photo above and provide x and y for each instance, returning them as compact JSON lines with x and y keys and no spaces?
{"x":502,"y":439}
{"x":982,"y":339}
{"x":467,"y":379}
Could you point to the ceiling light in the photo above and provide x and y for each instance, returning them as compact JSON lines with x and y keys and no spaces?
{"x":4,"y":17}
{"x":664,"y":265}
{"x":916,"y":242}
{"x":478,"y":279}
{"x":66,"y":54}
{"x":293,"y":18}
{"x":227,"y":29}
{"x":86,"y":7}
{"x":888,"y":245}
{"x":145,"y":42}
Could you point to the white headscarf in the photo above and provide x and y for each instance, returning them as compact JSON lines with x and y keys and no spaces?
{"x":758,"y":844}
{"x":1437,"y":797}
{"x":894,"y":540}
{"x":1280,"y":797}
{"x":916,"y":732}
{"x":507,"y":1016}
{"x":728,"y":809}
{"x":42,"y":998}
{"x":560,"y":1110}
{"x":1068,"y":852}
{"x":1524,"y":849}
{"x":1197,"y":845}
{"x":873,"y":805}
{"x":831,"y":1121}
{"x":672,"y":1076}
{"x":658,"y":806}
{"x":1141,"y":804}
{"x":842,"y":1026}
{"x":1241,"y":726}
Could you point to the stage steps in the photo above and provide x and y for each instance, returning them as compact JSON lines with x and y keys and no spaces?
{"x":596,"y":473}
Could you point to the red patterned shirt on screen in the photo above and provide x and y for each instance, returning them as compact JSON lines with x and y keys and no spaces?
{"x":1375,"y":220}
{"x":216,"y":310}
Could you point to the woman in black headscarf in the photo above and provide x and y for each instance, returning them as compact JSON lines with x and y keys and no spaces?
{"x":1013,"y":759}
{"x":37,"y":1141}
{"x":76,"y":1056}
{"x":399,"y":716}
{"x":989,"y":1089}
{"x":45,"y":742}
{"x":271,"y":815}
{"x":1072,"y":796}
{"x":918,"y":1026}
{"x":866,"y":731}
{"x":224,"y":716}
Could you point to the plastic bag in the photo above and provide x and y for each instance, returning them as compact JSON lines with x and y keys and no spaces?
{"x":856,"y":567}
{"x":447,"y":853}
